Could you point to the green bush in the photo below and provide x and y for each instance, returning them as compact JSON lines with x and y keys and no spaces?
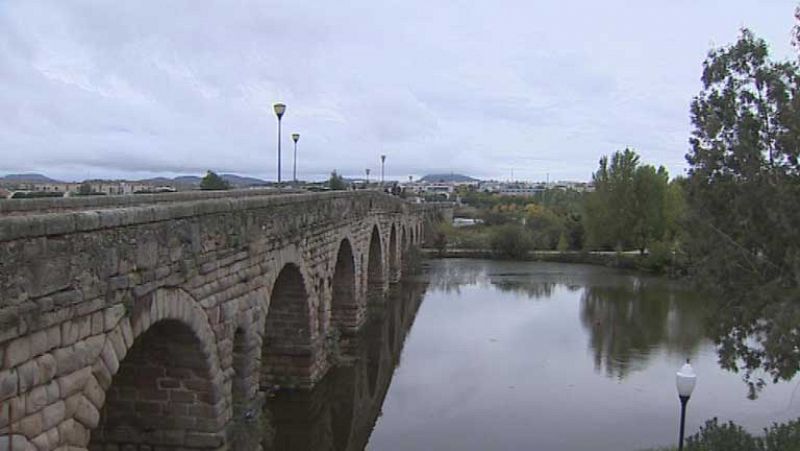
{"x":732,"y":437}
{"x":721,"y":437}
{"x":511,"y":240}
{"x":780,"y":437}
{"x":659,"y":256}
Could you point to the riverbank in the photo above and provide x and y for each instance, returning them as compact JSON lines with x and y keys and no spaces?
{"x":623,"y":260}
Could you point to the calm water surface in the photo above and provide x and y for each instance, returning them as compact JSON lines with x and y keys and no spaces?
{"x":487,"y":355}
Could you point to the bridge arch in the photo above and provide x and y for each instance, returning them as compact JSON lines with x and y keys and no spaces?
{"x":375,"y":269}
{"x":345,"y":308}
{"x":164,"y":386}
{"x":290,"y":342}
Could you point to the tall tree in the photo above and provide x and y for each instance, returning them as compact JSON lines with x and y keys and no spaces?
{"x":743,"y":195}
{"x":627,"y":208}
{"x":212,"y":181}
{"x":649,"y":192}
{"x":336,"y":182}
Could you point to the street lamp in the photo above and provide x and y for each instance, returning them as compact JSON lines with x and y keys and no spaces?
{"x":279,"y":110}
{"x":295,"y":137}
{"x":383,"y":160}
{"x":367,"y":171}
{"x":684,"y":380}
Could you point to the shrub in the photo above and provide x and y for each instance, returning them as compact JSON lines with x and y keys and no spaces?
{"x":659,"y":256}
{"x":731,"y":437}
{"x":780,"y":437}
{"x":718,"y":437}
{"x":511,"y":240}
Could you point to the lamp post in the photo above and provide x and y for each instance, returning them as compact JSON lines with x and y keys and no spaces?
{"x":279,"y":110}
{"x":383,"y":160}
{"x":684,"y":381}
{"x":367,"y":171}
{"x":295,"y":138}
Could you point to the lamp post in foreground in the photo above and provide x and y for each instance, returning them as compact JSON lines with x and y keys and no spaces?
{"x":279,"y":110}
{"x":367,"y":171}
{"x":295,"y":138}
{"x":684,"y":381}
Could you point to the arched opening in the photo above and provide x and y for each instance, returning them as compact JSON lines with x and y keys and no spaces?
{"x":375,"y":265}
{"x":411,"y":236}
{"x":394,"y":262}
{"x":287,"y":355}
{"x":344,"y":306}
{"x":163,"y":395}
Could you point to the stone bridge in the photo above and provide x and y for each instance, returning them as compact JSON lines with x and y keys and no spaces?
{"x":155,"y":322}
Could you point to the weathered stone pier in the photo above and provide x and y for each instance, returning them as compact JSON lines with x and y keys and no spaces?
{"x":150,"y":322}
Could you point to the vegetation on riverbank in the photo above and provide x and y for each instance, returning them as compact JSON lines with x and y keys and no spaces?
{"x":567,"y":225}
{"x":716,"y":436}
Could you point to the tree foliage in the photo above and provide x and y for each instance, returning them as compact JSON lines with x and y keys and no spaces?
{"x":336,"y":182}
{"x":212,"y":181}
{"x":743,"y":198}
{"x":511,"y":240}
{"x":632,"y":206}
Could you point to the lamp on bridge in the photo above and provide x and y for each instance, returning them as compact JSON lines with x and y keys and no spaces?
{"x":279,"y":110}
{"x":685,"y":381}
{"x":295,"y":138}
{"x":367,"y":171}
{"x":383,"y":160}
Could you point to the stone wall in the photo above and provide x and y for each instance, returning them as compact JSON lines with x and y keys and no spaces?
{"x":90,"y":292}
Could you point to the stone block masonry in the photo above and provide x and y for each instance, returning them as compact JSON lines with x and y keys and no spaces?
{"x":133,"y":322}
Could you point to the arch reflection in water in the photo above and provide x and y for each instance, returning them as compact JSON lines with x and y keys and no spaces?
{"x":341,"y":411}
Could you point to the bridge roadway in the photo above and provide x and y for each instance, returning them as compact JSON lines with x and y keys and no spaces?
{"x":151,"y":322}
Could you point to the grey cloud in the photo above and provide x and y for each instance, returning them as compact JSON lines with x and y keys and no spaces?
{"x":129,"y":88}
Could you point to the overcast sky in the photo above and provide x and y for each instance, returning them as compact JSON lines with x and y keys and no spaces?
{"x":138,"y":88}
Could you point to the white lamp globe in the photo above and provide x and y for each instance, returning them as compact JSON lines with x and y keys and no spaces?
{"x":685,"y":380}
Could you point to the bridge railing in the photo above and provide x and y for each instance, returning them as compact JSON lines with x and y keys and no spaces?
{"x":80,"y":215}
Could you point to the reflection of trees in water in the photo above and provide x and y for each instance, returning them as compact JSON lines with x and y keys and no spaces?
{"x":340,"y":412}
{"x":629,"y":318}
{"x":533,"y":280}
{"x":450,"y":275}
{"x":531,"y":288}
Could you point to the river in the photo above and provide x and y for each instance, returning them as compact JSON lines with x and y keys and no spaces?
{"x":491,"y":355}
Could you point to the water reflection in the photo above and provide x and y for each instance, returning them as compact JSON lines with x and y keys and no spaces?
{"x":630,"y":317}
{"x":451,"y":275}
{"x":341,"y":411}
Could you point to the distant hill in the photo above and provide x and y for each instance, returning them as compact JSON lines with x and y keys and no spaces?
{"x":186,"y":181}
{"x":31,"y":177}
{"x":237,"y":181}
{"x":432,"y":178}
